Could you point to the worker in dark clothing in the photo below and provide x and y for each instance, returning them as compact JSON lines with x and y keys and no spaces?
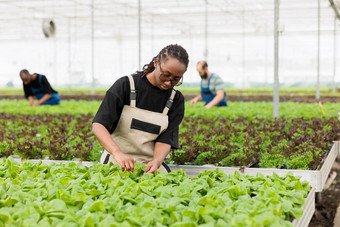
{"x":36,"y":86}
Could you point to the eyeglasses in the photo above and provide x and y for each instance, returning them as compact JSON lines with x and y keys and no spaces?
{"x":176,"y":81}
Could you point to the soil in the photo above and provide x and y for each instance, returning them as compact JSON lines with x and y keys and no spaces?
{"x":327,"y":202}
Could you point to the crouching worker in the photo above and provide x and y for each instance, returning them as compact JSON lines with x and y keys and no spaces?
{"x":212,"y":87}
{"x":139,"y":117}
{"x":36,"y":86}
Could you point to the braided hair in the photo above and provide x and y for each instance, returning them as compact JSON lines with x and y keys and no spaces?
{"x":172,"y":50}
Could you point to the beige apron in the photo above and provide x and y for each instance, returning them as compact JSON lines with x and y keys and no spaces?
{"x":138,"y":129}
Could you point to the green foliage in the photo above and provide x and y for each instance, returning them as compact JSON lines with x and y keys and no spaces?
{"x":59,"y":137}
{"x":252,"y":110}
{"x":298,"y":143}
{"x":35,"y":194}
{"x":240,"y":135}
{"x":4,"y":146}
{"x":290,"y":91}
{"x":268,"y":160}
{"x":299,"y":162}
{"x":230,"y":142}
{"x":235,"y":109}
{"x":185,"y":89}
{"x":204,"y":157}
{"x":69,"y":106}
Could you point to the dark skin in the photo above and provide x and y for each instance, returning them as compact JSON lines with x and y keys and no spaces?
{"x":27,"y":79}
{"x":172,"y":71}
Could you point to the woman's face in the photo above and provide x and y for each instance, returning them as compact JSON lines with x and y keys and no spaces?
{"x":168,"y":73}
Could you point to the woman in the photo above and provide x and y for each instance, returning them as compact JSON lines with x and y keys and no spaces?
{"x":139,"y":117}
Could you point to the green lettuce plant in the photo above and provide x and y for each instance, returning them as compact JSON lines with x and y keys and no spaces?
{"x":36,"y":194}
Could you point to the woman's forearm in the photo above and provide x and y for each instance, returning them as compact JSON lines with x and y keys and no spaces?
{"x":161,"y":151}
{"x":105,"y":138}
{"x":125,"y":161}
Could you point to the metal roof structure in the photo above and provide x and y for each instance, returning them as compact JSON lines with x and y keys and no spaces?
{"x":20,"y":19}
{"x":236,"y":33}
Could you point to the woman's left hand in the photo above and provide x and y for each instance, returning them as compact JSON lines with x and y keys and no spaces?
{"x":161,"y":151}
{"x":152,"y":166}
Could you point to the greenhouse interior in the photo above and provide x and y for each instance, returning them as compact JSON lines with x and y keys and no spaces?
{"x":243,"y":128}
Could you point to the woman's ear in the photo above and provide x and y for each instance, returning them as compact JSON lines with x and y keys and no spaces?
{"x":155,"y":62}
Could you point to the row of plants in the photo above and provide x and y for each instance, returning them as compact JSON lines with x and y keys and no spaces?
{"x":230,"y":97}
{"x":288,"y":110}
{"x":61,"y":90}
{"x":68,"y":107}
{"x":269,"y":92}
{"x":282,"y":143}
{"x":36,"y":194}
{"x":52,"y":136}
{"x":247,"y":109}
{"x":269,"y":98}
{"x":62,"y":97}
{"x":264,"y":89}
{"x":290,"y":91}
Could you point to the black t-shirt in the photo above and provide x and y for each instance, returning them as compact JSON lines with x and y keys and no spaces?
{"x":35,"y":84}
{"x":149,"y":98}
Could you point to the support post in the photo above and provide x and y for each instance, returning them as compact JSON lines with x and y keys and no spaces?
{"x":334,"y":55}
{"x":139,"y":35}
{"x":206,"y":31}
{"x":318,"y":57}
{"x":243,"y":50}
{"x":276,"y":97}
{"x":92,"y":47}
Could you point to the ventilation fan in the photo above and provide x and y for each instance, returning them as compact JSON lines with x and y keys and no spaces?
{"x":48,"y":27}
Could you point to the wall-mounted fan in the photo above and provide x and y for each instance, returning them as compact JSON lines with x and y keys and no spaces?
{"x":48,"y":27}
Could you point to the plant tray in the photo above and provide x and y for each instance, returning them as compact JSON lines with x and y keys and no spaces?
{"x":308,"y":207}
{"x":308,"y":210}
{"x":316,"y":178}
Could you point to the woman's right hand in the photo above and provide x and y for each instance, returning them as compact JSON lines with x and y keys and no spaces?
{"x":125,"y":161}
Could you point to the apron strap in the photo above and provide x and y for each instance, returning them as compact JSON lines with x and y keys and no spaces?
{"x":132,"y":92}
{"x":40,"y":78}
{"x":166,"y":167}
{"x":107,"y":159}
{"x":169,"y":102}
